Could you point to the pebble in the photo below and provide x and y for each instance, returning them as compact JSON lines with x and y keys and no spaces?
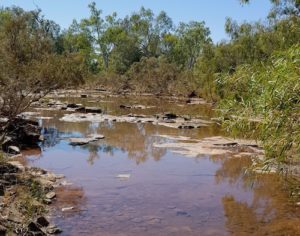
{"x":67,"y":209}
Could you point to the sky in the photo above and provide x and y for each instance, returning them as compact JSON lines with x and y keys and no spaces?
{"x":213,"y":12}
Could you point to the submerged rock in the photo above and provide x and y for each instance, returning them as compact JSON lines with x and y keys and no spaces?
{"x":178,"y":123}
{"x":67,"y":209}
{"x":123,"y":176}
{"x":213,"y":146}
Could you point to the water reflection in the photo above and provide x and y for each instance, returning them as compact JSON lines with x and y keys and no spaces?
{"x":269,"y":211}
{"x":166,"y":194}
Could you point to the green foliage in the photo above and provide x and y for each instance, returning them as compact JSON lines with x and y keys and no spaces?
{"x":152,"y":74}
{"x":31,"y":65}
{"x":263,"y":101}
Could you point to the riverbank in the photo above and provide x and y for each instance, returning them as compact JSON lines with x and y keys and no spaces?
{"x":26,"y":194}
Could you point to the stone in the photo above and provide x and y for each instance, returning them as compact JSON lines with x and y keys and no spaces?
{"x":93,"y":110}
{"x":185,"y":126}
{"x":122,"y":106}
{"x":13,"y":150}
{"x":17,"y":164}
{"x":53,"y":229}
{"x":169,"y":115}
{"x":123,"y":176}
{"x":73,"y":105}
{"x":35,"y":230}
{"x":7,"y":168}
{"x":97,"y":136}
{"x":79,"y":141}
{"x":89,"y":110}
{"x":47,"y":201}
{"x":84,"y":141}
{"x":64,"y":209}
{"x":51,"y":195}
{"x":42,"y":221}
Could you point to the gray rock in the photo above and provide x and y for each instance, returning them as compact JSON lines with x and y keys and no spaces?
{"x":84,"y":141}
{"x":53,"y":229}
{"x":14,"y":150}
{"x":51,"y":195}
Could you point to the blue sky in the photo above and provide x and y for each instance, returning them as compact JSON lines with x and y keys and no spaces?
{"x":213,"y":12}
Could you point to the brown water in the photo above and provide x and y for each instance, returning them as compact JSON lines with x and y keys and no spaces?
{"x":166,"y":194}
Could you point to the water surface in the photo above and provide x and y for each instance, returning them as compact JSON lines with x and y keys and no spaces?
{"x":167,"y":193}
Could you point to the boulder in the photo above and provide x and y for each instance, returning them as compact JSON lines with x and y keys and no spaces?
{"x":22,"y":133}
{"x":6,"y":168}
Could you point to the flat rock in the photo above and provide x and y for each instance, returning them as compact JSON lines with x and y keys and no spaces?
{"x":213,"y":146}
{"x":17,"y":164}
{"x":51,"y":195}
{"x":177,"y":123}
{"x":84,"y":141}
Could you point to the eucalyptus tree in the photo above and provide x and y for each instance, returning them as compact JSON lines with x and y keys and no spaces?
{"x":149,"y":30}
{"x":189,"y":42}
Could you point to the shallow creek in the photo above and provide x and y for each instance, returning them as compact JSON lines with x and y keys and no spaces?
{"x":126,"y":185}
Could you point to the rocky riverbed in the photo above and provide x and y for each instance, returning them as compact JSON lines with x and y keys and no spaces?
{"x":140,"y":166}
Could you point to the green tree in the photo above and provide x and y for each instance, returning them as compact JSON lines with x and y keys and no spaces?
{"x":30,"y":65}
